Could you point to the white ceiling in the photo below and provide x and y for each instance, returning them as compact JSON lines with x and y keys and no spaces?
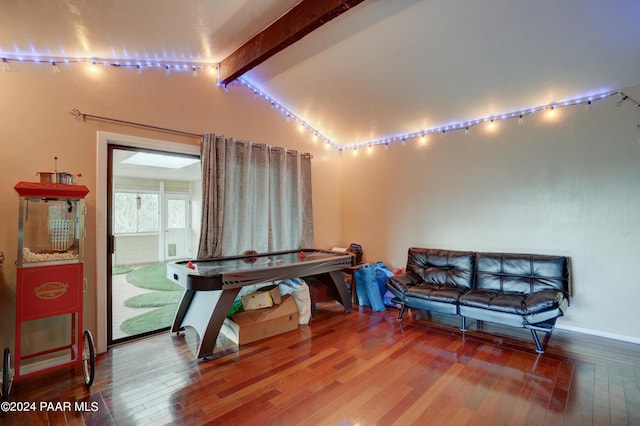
{"x":382,"y":69}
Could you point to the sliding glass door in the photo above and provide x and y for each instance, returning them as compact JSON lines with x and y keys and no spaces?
{"x":150,"y":202}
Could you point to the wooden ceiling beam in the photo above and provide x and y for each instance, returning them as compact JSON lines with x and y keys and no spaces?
{"x":305,"y":17}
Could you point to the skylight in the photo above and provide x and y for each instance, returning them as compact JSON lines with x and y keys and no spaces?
{"x":160,"y":160}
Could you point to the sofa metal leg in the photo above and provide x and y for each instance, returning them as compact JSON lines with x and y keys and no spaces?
{"x":463,"y":323}
{"x":539,"y":347}
{"x":401,"y":311}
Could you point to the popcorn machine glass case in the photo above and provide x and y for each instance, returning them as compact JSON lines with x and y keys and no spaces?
{"x":49,"y":278}
{"x":51,"y":224}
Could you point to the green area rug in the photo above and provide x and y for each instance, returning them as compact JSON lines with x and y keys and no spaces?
{"x":154,"y":299}
{"x":150,"y":321}
{"x":119,"y":270}
{"x":165,"y":298}
{"x":152,"y":277}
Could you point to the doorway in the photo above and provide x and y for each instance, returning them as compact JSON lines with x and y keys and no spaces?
{"x":150,"y":198}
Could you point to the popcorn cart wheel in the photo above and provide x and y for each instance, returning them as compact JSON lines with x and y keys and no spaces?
{"x":88,"y":358}
{"x":7,"y":376}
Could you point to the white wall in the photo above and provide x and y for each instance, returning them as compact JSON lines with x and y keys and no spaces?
{"x":136,"y":249}
{"x":568,"y":186}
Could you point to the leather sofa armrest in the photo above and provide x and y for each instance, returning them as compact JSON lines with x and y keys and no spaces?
{"x":398,"y":284}
{"x":406,"y":279}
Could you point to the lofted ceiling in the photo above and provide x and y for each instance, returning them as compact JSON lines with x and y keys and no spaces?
{"x":381,"y":69}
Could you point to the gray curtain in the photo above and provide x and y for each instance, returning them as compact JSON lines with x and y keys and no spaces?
{"x":255,"y":197}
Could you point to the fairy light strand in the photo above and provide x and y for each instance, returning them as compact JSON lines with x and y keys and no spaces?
{"x":421,"y":134}
{"x":386,"y":142}
{"x":139,"y":65}
{"x":289,"y":115}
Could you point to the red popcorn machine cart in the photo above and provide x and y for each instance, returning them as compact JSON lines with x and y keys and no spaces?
{"x":49,"y":279}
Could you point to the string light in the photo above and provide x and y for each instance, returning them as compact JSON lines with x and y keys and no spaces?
{"x":138,"y":66}
{"x":463,"y":125}
{"x":290,"y":116}
{"x":386,"y":141}
{"x":490,"y":120}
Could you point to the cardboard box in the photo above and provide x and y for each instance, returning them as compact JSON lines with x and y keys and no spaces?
{"x":265,"y":298}
{"x":249,"y":326}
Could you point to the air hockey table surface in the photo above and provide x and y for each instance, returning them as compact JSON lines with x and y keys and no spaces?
{"x":237,"y":271}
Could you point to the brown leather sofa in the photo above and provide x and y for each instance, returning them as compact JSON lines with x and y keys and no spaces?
{"x":520,"y":290}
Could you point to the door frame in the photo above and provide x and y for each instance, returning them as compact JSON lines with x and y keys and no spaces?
{"x":104,"y":139}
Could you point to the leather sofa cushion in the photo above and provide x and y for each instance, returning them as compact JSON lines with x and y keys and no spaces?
{"x":520,"y":273}
{"x":442,"y":267}
{"x":436,"y":292}
{"x":515,"y":303}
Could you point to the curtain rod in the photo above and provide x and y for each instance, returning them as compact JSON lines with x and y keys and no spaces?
{"x":76,"y":113}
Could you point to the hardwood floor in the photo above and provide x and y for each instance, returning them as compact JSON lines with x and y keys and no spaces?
{"x":361,"y":368}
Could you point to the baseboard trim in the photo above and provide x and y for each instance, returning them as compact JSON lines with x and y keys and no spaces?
{"x":599,"y":333}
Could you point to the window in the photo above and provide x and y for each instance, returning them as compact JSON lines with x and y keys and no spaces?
{"x":176,"y":214}
{"x":136,"y":212}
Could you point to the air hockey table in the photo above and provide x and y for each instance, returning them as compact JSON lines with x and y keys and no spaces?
{"x":211,"y":285}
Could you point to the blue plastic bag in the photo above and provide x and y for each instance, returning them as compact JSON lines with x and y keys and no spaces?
{"x":382,"y":275}
{"x":368,"y":287}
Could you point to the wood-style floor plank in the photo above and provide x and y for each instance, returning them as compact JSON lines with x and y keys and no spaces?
{"x":361,"y":368}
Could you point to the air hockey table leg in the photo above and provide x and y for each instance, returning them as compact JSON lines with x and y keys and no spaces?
{"x":204,"y":311}
{"x":338,"y":281}
{"x":185,"y":302}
